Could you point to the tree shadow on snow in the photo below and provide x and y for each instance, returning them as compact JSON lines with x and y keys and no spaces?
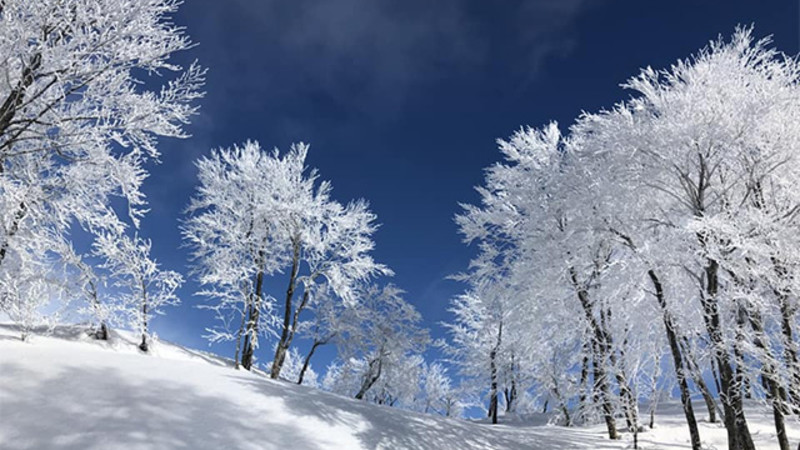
{"x":82,"y":408}
{"x":383,"y":428}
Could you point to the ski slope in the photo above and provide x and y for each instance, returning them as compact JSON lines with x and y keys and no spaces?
{"x":67,"y":391}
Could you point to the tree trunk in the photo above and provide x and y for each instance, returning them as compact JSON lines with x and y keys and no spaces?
{"x":493,"y":400}
{"x":372,"y":377}
{"x":561,"y":404}
{"x":778,"y":411}
{"x":790,"y":350}
{"x":12,"y":230}
{"x":697,"y":376}
{"x":251,"y":331}
{"x":144,"y":346}
{"x":102,"y":332}
{"x":711,"y":405}
{"x":600,"y":352}
{"x":286,"y":332}
{"x":677,"y":360}
{"x":511,"y":394}
{"x":565,"y":412}
{"x":741,"y":377}
{"x":739,"y":437}
{"x":629,"y":404}
{"x":239,"y":333}
{"x":15,"y":98}
{"x":602,"y":393}
{"x":715,"y":375}
{"x":775,"y":393}
{"x":7,"y":112}
{"x":583,"y":381}
{"x":307,"y":361}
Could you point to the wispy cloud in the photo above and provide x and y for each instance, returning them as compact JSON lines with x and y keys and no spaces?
{"x":546,"y":29}
{"x":357,"y":49}
{"x":360,"y":51}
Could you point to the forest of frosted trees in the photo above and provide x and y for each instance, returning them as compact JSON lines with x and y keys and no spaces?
{"x":646,"y":251}
{"x":650,"y":246}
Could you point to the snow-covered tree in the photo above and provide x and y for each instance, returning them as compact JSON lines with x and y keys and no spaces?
{"x":88,"y":285}
{"x":142,"y":288}
{"x":477,"y":342}
{"x":713,"y":140}
{"x":295,"y":366}
{"x":257,"y":214}
{"x":28,"y":294}
{"x":386,"y":348}
{"x":674,"y":211}
{"x":332,"y":322}
{"x":330,"y":245}
{"x":87,"y":89}
{"x":231,"y":230}
{"x":438,"y":394}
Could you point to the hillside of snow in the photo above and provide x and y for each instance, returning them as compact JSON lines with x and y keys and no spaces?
{"x":67,"y":391}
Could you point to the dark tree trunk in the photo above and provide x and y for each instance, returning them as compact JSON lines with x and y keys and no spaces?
{"x":372,"y":378}
{"x":15,"y":98}
{"x":778,"y":411}
{"x":13,"y":229}
{"x":283,"y":348}
{"x":561,"y":404}
{"x":600,"y":353}
{"x":565,"y":412}
{"x":602,"y":393}
{"x":677,"y":360}
{"x":741,"y":377}
{"x":790,"y":350}
{"x":715,"y":375}
{"x":144,"y":346}
{"x":493,"y":394}
{"x":250,"y":335}
{"x":492,"y":414}
{"x":711,"y":405}
{"x":286,"y":332}
{"x":775,"y":392}
{"x":629,"y":405}
{"x":102,"y":332}
{"x":307,"y":361}
{"x":251,"y":331}
{"x":739,"y":437}
{"x":697,"y":376}
{"x":583,"y":381}
{"x":8,"y":111}
{"x":239,"y":333}
{"x":511,"y":393}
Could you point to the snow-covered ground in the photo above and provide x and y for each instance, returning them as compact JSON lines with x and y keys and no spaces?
{"x":67,"y":391}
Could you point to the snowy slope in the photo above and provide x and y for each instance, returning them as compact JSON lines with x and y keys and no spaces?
{"x":69,"y":392}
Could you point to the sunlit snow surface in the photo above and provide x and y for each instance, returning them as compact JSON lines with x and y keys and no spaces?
{"x":67,"y":391}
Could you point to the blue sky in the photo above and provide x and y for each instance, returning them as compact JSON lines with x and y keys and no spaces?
{"x":402,"y":102}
